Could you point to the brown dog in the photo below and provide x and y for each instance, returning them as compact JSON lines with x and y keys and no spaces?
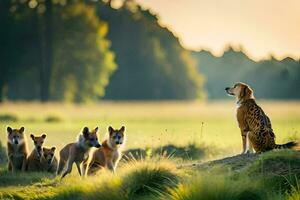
{"x":110,"y":153}
{"x":34,"y":159}
{"x":17,"y":149}
{"x":78,"y":152}
{"x":48,"y":160}
{"x":255,"y":125}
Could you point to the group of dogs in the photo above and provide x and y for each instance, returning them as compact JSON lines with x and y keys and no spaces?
{"x":105,"y":155}
{"x":256,"y":131}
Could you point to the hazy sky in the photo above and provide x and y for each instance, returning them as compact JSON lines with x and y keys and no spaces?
{"x":261,"y":26}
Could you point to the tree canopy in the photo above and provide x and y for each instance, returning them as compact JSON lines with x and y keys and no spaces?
{"x":82,"y":51}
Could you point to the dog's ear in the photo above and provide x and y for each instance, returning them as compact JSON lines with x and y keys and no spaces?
{"x":53,"y":149}
{"x":32,"y":136}
{"x":246,"y":92}
{"x":243,"y":92}
{"x":122,"y":129}
{"x":22,"y":129}
{"x":96,"y":129}
{"x":85,"y":131}
{"x":110,"y":130}
{"x":44,"y":136}
{"x":9,"y":130}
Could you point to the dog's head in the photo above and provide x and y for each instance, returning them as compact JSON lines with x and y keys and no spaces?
{"x":38,"y":142}
{"x":241,"y":91}
{"x":116,"y":136}
{"x":48,"y":154}
{"x":91,"y":137}
{"x":15,"y":136}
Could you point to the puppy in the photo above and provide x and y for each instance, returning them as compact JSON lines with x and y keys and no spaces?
{"x":255,"y":125}
{"x":110,"y":153}
{"x":48,"y":160}
{"x":17,"y":150}
{"x":78,"y":152}
{"x":34,"y":159}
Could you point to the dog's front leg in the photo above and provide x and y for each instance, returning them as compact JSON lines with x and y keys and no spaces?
{"x":250,"y":146}
{"x":78,"y":168}
{"x":85,"y":167}
{"x":110,"y":166}
{"x":244,"y":140}
{"x":24,"y":163}
{"x":69,"y":167}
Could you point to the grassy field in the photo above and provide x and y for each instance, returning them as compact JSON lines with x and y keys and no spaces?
{"x":149,"y":124}
{"x":209,"y":126}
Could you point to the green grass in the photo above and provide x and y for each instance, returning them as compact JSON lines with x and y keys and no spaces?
{"x":218,"y":187}
{"x":163,"y":135}
{"x":272,"y":175}
{"x":135,"y":180}
{"x":150,"y":124}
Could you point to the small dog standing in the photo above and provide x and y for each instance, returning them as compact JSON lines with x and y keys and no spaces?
{"x":78,"y":152}
{"x":110,"y":153}
{"x":17,"y":149}
{"x":255,"y":125}
{"x":34,"y":159}
{"x":48,"y":160}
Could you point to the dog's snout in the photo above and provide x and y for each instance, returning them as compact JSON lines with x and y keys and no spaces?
{"x":39,"y":148}
{"x":227,"y":88}
{"x":98,"y":145}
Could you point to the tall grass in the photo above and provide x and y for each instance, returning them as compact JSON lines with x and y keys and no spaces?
{"x":220,"y":188}
{"x":134,"y":181}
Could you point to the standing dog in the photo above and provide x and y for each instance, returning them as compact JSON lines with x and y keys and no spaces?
{"x":34,"y":159}
{"x":48,"y":160}
{"x":17,"y":150}
{"x":78,"y":152}
{"x":110,"y":153}
{"x":255,"y":125}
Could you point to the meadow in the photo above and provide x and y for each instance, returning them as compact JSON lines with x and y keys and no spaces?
{"x":210,"y":128}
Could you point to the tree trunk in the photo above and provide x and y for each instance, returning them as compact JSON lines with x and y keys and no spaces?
{"x":47,"y":51}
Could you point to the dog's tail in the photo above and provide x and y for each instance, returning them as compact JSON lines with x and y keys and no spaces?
{"x":288,"y":145}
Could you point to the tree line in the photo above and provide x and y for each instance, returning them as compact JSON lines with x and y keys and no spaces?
{"x":86,"y":50}
{"x":270,"y":78}
{"x":80,"y":51}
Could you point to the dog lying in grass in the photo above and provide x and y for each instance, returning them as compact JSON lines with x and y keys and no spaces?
{"x":255,"y":125}
{"x":34,"y":159}
{"x":78,"y":152}
{"x":17,"y":150}
{"x":109,"y":155}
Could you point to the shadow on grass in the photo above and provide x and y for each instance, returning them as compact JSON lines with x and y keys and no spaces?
{"x":189,"y":152}
{"x":21,"y":178}
{"x":8,"y":118}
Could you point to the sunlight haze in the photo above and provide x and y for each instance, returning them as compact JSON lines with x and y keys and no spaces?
{"x":261,"y":27}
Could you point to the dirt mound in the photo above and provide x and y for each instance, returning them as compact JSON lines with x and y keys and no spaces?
{"x":234,"y":163}
{"x":273,"y":162}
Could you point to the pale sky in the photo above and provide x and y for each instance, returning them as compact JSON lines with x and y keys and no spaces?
{"x":261,"y":26}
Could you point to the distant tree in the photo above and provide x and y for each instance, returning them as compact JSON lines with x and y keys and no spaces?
{"x":82,"y":62}
{"x":47,"y":30}
{"x":152,"y":63}
{"x":270,"y":78}
{"x":71,"y":63}
{"x":5,"y":21}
